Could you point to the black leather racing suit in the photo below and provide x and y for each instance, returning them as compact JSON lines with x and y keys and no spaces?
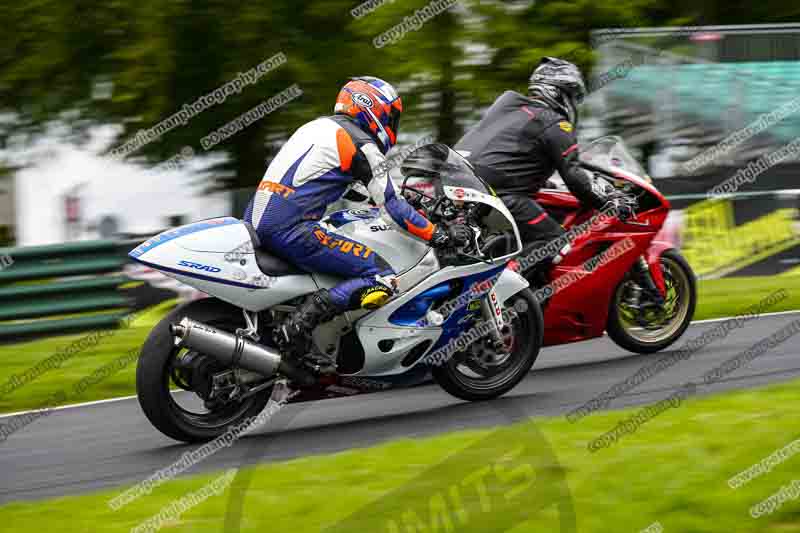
{"x":516,"y":147}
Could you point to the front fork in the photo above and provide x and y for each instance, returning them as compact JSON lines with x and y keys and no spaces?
{"x":652,"y":277}
{"x":492,"y":313}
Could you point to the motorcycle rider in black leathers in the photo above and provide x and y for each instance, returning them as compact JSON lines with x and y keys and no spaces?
{"x":523,"y":139}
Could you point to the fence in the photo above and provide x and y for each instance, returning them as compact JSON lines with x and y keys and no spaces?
{"x":63,"y":287}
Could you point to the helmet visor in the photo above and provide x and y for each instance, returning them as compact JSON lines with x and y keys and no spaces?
{"x":572,"y":109}
{"x":394,"y":118}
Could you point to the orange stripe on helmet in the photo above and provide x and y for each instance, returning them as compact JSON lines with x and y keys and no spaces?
{"x":392,"y":135}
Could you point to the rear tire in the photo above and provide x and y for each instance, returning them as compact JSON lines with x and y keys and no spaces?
{"x":153,"y":378}
{"x":528,"y":332}
{"x":627,"y":338}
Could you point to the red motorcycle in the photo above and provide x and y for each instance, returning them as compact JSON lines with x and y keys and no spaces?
{"x":637,"y":287}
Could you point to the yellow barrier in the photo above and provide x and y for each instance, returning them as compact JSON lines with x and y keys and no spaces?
{"x":714,"y":245}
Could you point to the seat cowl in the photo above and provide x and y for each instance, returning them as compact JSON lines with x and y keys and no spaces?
{"x":219,"y":235}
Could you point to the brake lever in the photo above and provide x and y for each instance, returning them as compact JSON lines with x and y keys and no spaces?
{"x":476,"y":232}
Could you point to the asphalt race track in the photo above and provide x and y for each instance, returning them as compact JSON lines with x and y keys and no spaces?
{"x":110,"y":444}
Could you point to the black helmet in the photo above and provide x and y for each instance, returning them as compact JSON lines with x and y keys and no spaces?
{"x":560,"y":85}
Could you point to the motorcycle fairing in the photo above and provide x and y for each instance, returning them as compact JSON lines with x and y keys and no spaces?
{"x":573,"y":314}
{"x":181,"y":231}
{"x":378,"y":325}
{"x":200,"y":255}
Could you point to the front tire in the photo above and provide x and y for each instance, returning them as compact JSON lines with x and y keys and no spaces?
{"x":153,"y":378}
{"x":459,"y":378}
{"x":681,"y":295}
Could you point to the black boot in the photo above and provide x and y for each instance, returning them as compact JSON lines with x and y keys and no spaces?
{"x":294,"y":335}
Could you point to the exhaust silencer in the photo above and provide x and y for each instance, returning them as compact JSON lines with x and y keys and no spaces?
{"x":232,"y":350}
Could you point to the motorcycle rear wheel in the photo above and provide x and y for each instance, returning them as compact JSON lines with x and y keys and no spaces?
{"x":681,"y":300}
{"x":154,"y":379}
{"x":526,"y":335}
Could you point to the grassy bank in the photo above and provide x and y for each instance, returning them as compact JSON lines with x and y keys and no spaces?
{"x":97,"y":350}
{"x":728,"y":296}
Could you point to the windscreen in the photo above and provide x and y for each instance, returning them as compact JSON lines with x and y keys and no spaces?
{"x":431,"y":167}
{"x":607,"y":152}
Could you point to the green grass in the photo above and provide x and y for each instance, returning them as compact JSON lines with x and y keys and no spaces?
{"x":17,"y":358}
{"x":673,"y":470}
{"x":729,"y":296}
{"x":720,"y":297}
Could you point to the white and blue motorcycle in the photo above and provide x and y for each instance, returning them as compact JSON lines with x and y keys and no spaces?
{"x":220,"y":349}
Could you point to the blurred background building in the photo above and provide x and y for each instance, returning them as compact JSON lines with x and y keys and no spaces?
{"x":691,"y":88}
{"x":686,"y":93}
{"x":674,"y":79}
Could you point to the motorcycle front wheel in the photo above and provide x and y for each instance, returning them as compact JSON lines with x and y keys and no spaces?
{"x":479,"y":372}
{"x":641,"y":329}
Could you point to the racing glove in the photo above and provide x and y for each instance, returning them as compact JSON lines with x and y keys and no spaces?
{"x":454,"y":236}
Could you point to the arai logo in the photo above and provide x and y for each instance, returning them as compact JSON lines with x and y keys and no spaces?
{"x":362,"y":100}
{"x":198,"y":266}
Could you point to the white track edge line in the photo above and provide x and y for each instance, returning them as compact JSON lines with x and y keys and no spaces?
{"x":69,"y":406}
